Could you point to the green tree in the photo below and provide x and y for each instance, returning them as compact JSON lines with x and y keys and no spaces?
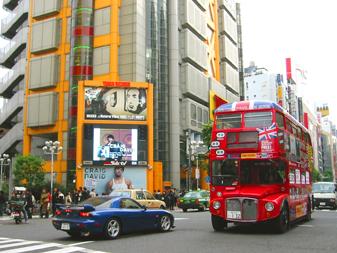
{"x":29,"y":167}
{"x":315,"y":176}
{"x":206,"y":134}
{"x":328,"y":176}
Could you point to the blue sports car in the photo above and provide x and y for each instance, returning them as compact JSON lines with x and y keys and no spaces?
{"x":110,"y":216}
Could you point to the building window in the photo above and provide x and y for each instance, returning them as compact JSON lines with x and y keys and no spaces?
{"x":193,"y":112}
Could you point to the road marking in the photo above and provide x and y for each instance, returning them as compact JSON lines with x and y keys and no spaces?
{"x":31,"y":248}
{"x":65,"y":250}
{"x":7,"y":240}
{"x":17,"y":246}
{"x":309,"y":226}
{"x":181,"y":219}
{"x":79,"y":243}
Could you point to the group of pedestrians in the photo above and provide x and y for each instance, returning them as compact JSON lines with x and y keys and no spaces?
{"x":57,"y":197}
{"x":169,"y":196}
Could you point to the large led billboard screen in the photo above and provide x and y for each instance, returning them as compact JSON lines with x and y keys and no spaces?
{"x":115,"y":144}
{"x":122,"y":103}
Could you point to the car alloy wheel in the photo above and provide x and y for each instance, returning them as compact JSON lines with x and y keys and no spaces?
{"x":165,"y":223}
{"x":112,"y":228}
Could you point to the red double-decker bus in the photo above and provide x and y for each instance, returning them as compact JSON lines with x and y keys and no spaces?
{"x":260,"y":166}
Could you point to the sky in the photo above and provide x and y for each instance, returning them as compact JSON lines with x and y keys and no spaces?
{"x":302,"y":30}
{"x":274,"y":30}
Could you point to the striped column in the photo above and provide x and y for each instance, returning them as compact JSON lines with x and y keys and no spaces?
{"x":81,"y":68}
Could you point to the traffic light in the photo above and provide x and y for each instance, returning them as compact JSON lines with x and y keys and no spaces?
{"x":143,"y":133}
{"x":184,"y":168}
{"x":88,"y":131}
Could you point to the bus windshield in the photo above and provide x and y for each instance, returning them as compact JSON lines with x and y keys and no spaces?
{"x":262,"y":171}
{"x":225,"y":172}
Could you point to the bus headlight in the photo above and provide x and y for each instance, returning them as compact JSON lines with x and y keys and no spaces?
{"x":219,"y":194}
{"x":269,"y":206}
{"x":216,"y":205}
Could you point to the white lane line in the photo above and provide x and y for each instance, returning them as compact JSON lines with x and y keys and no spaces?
{"x":18,"y":244}
{"x":65,"y":250}
{"x":309,"y":226}
{"x":79,"y":243}
{"x":32,"y":248}
{"x":181,"y":219}
{"x":10,"y":240}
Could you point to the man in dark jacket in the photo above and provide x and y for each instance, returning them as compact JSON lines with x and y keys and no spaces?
{"x":2,"y":203}
{"x":29,"y":206}
{"x":54,"y":200}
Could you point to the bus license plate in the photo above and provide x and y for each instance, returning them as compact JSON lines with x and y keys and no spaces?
{"x":322,"y":203}
{"x":234,"y":214}
{"x":65,"y":226}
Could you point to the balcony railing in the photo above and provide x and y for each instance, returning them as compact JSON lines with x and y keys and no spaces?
{"x":12,"y":78}
{"x":11,"y":109}
{"x":13,"y":21}
{"x":14,"y":48}
{"x":12,"y":138}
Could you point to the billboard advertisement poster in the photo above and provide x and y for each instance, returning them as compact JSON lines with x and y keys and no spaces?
{"x":122,"y":103}
{"x":106,"y":179}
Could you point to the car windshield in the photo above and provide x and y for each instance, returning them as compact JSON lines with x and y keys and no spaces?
{"x":98,"y":202}
{"x":323,"y":188}
{"x":193,"y":195}
{"x":121,"y":193}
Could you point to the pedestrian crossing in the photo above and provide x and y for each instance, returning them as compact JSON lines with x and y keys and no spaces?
{"x":9,"y":245}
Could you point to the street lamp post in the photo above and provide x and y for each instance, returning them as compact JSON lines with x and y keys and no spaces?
{"x":197,"y":172}
{"x":51,"y":148}
{"x":3,"y":159}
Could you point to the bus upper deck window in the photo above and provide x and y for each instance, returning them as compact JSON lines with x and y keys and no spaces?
{"x":228,"y":121}
{"x":258,"y":119}
{"x":279,"y":120}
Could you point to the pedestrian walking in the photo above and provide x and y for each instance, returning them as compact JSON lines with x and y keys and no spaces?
{"x":68,"y":200}
{"x":93,"y":193}
{"x":60,"y":198}
{"x":75,"y":197}
{"x":171,"y":198}
{"x":2,"y":203}
{"x":54,"y":201}
{"x":29,"y":206}
{"x":44,"y":201}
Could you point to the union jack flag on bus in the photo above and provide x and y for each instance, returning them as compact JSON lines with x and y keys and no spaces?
{"x":267,"y":133}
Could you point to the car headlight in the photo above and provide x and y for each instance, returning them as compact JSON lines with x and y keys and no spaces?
{"x":333,"y":200}
{"x":269,"y":206}
{"x":216,"y":205}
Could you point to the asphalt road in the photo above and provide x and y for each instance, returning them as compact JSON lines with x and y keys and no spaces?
{"x":193,"y":233}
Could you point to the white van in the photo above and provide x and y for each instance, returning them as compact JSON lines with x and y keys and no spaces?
{"x":325,"y":194}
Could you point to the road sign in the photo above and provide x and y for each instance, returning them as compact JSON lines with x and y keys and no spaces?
{"x":197,"y":174}
{"x":207,"y":179}
{"x":201,"y":150}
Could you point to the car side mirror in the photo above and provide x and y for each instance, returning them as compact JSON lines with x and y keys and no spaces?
{"x":145,"y":207}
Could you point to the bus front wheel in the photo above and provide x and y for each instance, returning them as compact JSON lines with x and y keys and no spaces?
{"x":282,"y":221}
{"x":218,"y":223}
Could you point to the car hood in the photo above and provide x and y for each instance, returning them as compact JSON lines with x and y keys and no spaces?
{"x":259,"y":191}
